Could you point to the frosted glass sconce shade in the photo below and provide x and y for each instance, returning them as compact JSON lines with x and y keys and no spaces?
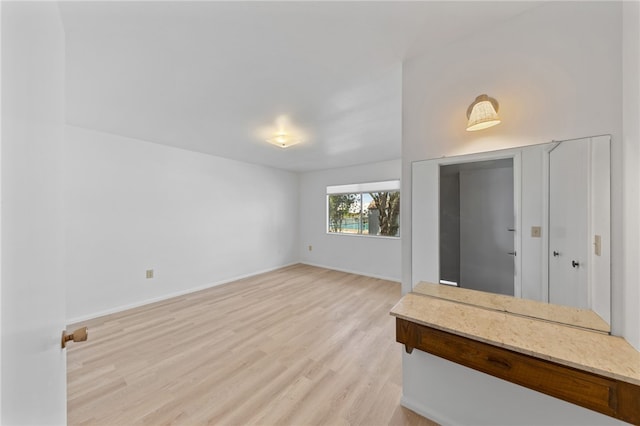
{"x":482,"y":113}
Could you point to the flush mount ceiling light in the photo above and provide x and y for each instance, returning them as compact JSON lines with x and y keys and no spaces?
{"x":482,"y":113}
{"x":283,"y":139}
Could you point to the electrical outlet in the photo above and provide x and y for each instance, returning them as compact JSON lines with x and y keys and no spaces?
{"x":149,"y":273}
{"x":310,"y":248}
{"x":536,"y":231}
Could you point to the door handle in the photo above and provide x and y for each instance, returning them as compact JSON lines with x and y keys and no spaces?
{"x":555,"y":254}
{"x":575,"y":264}
{"x":512,"y":253}
{"x":79,"y":335}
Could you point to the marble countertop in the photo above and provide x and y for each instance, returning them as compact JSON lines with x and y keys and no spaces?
{"x":530,"y":308}
{"x":599,"y":353}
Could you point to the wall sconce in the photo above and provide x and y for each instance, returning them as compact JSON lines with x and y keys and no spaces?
{"x":482,"y":113}
{"x":283,"y":140}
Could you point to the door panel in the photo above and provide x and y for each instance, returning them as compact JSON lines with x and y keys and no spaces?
{"x":33,"y":366}
{"x":568,"y":224}
{"x":486,"y":215}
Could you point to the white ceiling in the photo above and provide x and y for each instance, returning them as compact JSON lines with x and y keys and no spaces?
{"x":214,"y":77}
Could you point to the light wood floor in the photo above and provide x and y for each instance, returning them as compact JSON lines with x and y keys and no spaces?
{"x":297,"y":346}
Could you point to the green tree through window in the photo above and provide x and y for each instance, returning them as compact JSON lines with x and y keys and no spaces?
{"x":388,"y":207}
{"x":364,"y":213}
{"x":340,"y":206}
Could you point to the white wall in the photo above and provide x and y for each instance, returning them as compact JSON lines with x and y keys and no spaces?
{"x":631,"y":165}
{"x":532,"y":194}
{"x":463,"y":396}
{"x":600,"y":224}
{"x":550,"y":86}
{"x":373,"y":256}
{"x":33,"y":367}
{"x":197,"y":220}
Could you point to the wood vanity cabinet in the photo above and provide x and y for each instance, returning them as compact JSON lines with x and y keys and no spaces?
{"x":587,"y":368}
{"x":608,"y":396}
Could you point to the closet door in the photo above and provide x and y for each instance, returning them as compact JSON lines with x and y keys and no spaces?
{"x":568,"y":224}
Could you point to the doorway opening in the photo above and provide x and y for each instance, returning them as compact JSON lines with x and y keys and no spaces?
{"x":477,"y":226}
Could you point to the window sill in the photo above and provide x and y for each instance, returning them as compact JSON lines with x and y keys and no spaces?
{"x":384,"y":237}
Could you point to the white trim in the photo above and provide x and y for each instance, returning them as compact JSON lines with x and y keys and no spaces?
{"x":544,"y":281}
{"x":349,"y":271}
{"x":501,"y":154}
{"x":515,"y":155}
{"x":170,"y":295}
{"x":590,"y":231}
{"x":350,"y":234}
{"x":517,"y":223}
{"x":424,"y":411}
{"x":387,"y":185}
{"x":1,"y":209}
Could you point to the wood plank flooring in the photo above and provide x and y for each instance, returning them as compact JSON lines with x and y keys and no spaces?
{"x":297,"y":346}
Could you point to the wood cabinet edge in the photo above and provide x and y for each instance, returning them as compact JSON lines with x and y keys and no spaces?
{"x":612,"y":397}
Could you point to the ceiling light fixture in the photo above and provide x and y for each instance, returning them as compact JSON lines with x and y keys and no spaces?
{"x":283,"y":140}
{"x":482,"y":113}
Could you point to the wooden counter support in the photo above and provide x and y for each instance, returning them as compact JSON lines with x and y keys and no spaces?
{"x":586,"y":368}
{"x":608,"y":396}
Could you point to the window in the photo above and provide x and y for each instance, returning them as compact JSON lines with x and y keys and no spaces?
{"x":364,"y":209}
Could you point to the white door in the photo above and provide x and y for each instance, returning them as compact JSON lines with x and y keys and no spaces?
{"x":33,"y":365}
{"x":568,"y":224}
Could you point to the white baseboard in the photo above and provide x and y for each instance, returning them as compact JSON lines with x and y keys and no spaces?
{"x":427,"y":412}
{"x":117,"y":309}
{"x":349,"y":271}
